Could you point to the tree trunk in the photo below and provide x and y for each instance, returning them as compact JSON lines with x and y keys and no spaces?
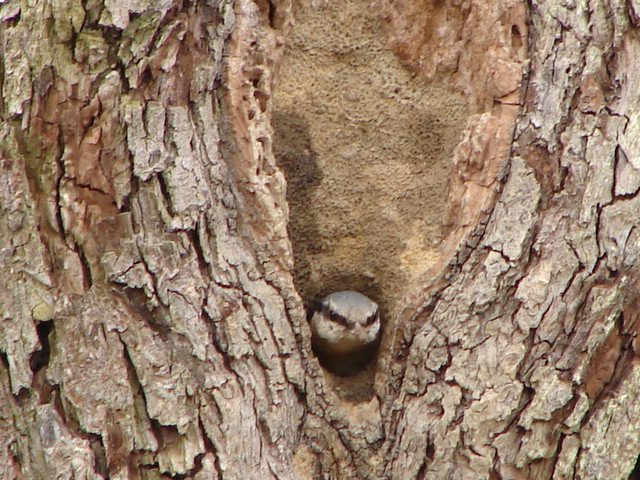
{"x":150,"y":326}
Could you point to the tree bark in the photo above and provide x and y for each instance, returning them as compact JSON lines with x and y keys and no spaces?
{"x":149,"y":322}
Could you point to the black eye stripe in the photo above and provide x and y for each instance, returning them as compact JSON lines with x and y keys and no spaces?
{"x":372,"y":318}
{"x":337,"y":318}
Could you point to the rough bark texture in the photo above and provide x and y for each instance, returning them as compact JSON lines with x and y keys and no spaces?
{"x":523,"y":364}
{"x":147,"y":277}
{"x":149,"y":323}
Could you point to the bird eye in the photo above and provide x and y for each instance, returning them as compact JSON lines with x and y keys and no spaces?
{"x":372,"y":318}
{"x":337,"y":318}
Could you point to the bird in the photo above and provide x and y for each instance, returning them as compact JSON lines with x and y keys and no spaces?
{"x":345,"y":331}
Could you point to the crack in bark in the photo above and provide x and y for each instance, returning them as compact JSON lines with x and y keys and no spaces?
{"x":58,"y":189}
{"x":623,"y":357}
{"x":620,"y":158}
{"x":40,"y":357}
{"x":209,"y":448}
